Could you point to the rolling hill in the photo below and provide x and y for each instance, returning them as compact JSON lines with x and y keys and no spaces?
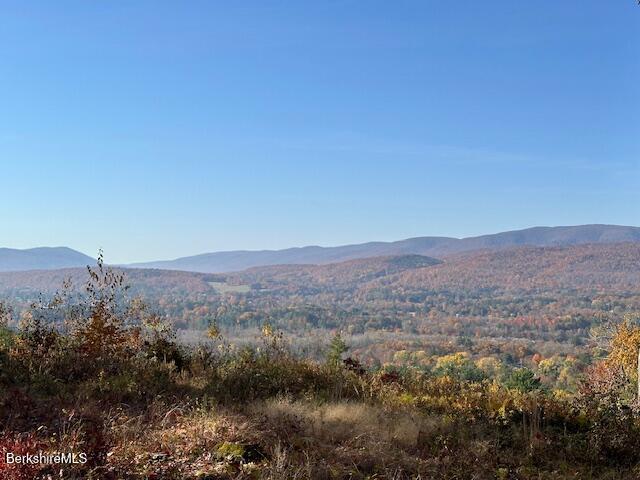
{"x":611,"y":267}
{"x":438,"y":247}
{"x":543,"y":294}
{"x":47,"y":258}
{"x":608,"y":267}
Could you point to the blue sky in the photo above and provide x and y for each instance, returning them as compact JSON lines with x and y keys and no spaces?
{"x":158,"y":129}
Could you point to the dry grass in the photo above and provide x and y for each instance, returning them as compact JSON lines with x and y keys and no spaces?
{"x":298,"y":440}
{"x":345,"y":421}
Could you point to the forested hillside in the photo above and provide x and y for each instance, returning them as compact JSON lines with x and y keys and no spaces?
{"x":510,"y":304}
{"x":99,"y":375}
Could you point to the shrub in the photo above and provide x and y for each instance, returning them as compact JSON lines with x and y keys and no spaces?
{"x":523,"y":380}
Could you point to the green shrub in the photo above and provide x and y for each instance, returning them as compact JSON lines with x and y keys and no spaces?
{"x":523,"y":380}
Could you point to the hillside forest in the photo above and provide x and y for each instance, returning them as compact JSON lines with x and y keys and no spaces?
{"x":515,"y":363}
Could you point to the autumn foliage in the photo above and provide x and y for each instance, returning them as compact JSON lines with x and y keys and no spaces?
{"x":102,"y":372}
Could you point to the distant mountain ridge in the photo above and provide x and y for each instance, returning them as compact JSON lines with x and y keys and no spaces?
{"x":439,"y":247}
{"x":51,"y":258}
{"x":606,"y":267}
{"x":42,"y":258}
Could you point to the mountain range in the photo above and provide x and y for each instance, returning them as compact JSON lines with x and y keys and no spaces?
{"x":607,"y":267}
{"x":43,"y":258}
{"x":438,"y":247}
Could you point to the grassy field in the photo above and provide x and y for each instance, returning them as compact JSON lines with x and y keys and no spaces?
{"x":222,"y":287}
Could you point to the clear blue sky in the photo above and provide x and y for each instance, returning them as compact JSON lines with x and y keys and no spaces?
{"x":158,"y":129}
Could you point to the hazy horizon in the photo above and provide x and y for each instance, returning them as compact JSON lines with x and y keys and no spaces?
{"x":158,"y":131}
{"x":191,"y":254}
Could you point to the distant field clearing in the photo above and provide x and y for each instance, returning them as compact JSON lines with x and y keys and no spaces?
{"x":222,"y":287}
